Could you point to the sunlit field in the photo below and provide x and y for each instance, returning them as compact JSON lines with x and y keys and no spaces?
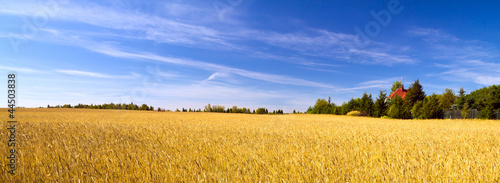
{"x":72,"y":145}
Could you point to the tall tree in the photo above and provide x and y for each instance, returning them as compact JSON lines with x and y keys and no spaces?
{"x":447,"y":99}
{"x":461,"y":99}
{"x":396,"y":109}
{"x":432,"y":108}
{"x":414,"y":94}
{"x":366,"y":104}
{"x":380,"y":106}
{"x":321,"y":107}
{"x":352,"y":105}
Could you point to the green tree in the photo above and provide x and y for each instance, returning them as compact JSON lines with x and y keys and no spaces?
{"x":465,"y":110}
{"x":494,"y":97}
{"x":366,"y":104}
{"x":352,"y":105}
{"x":309,"y":110}
{"x":487,"y":112}
{"x":417,"y":110}
{"x":321,"y":107}
{"x":332,"y":108}
{"x":345,"y":108}
{"x":396,"y":109}
{"x":432,"y":108}
{"x":380,"y":105}
{"x":447,"y":99}
{"x":414,"y":94}
{"x":396,"y":85}
{"x":461,"y":99}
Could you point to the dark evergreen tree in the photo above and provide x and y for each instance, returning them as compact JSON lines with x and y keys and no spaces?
{"x":414,"y":94}
{"x":432,"y":108}
{"x":396,"y":109}
{"x":461,"y":99}
{"x":366,"y":104}
{"x":380,"y":106}
{"x":417,"y":111}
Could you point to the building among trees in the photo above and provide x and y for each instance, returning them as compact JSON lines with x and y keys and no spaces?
{"x":400,"y":91}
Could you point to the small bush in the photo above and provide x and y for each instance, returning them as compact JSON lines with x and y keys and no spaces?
{"x":385,"y":117}
{"x":354,"y":113}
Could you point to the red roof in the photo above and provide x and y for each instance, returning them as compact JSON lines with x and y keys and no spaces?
{"x":401,"y":92}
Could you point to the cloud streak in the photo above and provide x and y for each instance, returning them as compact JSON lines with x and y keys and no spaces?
{"x":448,"y":47}
{"x":280,"y":79}
{"x":171,"y":30}
{"x":477,"y":71}
{"x":19,"y":69}
{"x":381,"y":83}
{"x":96,"y":75}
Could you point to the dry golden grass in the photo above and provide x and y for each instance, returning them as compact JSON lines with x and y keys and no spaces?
{"x":73,"y":145}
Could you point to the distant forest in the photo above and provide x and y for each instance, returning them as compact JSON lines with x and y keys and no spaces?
{"x":416,"y":104}
{"x":145,"y":107}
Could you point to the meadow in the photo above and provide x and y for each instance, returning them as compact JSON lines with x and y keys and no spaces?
{"x":87,"y":145}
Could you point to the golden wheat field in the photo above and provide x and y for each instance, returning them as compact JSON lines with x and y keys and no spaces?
{"x":85,"y":145}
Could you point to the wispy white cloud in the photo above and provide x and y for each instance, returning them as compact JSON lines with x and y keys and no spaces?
{"x":280,"y":79}
{"x":174,"y":30}
{"x":214,"y":75}
{"x":19,"y":69}
{"x":96,"y":75}
{"x":323,"y":43}
{"x":322,"y":70}
{"x":445,"y":46}
{"x":145,"y":26}
{"x":110,"y":50}
{"x":477,"y":71}
{"x":374,"y":57}
{"x":380,"y":83}
{"x":116,"y":52}
{"x":462,"y":60}
{"x":432,"y":34}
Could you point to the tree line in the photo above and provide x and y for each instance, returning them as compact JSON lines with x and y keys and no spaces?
{"x":208,"y":108}
{"x":416,"y":104}
{"x":123,"y":106}
{"x":235,"y":109}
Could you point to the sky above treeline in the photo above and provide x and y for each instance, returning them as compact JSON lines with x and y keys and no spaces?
{"x":273,"y":54}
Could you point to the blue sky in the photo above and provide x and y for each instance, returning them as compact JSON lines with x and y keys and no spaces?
{"x":273,"y":54}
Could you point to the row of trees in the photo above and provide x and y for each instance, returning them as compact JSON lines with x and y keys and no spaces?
{"x":486,"y":100}
{"x":365,"y":105}
{"x":208,"y":108}
{"x":123,"y":106}
{"x":235,"y":109}
{"x":415,"y":104}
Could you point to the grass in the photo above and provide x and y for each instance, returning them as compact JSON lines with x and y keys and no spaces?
{"x":73,"y":145}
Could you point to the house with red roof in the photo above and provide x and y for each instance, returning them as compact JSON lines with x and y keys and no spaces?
{"x":400,"y":91}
